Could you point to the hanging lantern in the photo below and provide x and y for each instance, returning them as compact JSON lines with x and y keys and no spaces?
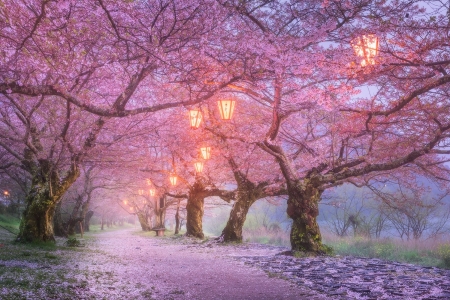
{"x":226,"y":108}
{"x":151,"y":192}
{"x":198,"y":166}
{"x":125,"y":202}
{"x":366,"y":47}
{"x":149,"y":182}
{"x":5,"y":193}
{"x":195,"y":118}
{"x":141,"y":192}
{"x":206,"y":152}
{"x":173,"y":179}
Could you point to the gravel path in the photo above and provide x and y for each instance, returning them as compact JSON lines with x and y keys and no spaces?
{"x":181,"y":268}
{"x":135,"y":267}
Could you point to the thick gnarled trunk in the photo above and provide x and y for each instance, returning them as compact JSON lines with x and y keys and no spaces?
{"x":303,"y":210}
{"x":37,"y":218}
{"x":194,"y":220}
{"x":195,"y":210}
{"x":233,"y":230}
{"x":41,"y":201}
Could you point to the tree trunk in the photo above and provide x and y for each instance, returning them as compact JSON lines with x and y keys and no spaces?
{"x":87,"y":220}
{"x":247,"y":193}
{"x":303,"y":210}
{"x":233,"y":230}
{"x":177,"y":219}
{"x":195,"y":211}
{"x":45,"y":193}
{"x":143,"y":220}
{"x":74,"y":219}
{"x":58,"y":226}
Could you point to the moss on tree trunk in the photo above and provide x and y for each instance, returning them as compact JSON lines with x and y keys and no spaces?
{"x":45,"y":193}
{"x":303,"y":210}
{"x":37,"y":218}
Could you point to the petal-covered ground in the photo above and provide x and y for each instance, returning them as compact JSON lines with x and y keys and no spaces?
{"x":128,"y":264}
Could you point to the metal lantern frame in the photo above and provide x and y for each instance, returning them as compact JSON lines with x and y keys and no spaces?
{"x":198,"y":166}
{"x":195,"y":118}
{"x":226,"y":108}
{"x":152,"y":192}
{"x":173,"y":179}
{"x":205,"y":152}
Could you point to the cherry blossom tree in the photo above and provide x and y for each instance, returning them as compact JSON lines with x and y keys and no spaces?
{"x":322,"y":132}
{"x":62,"y":60}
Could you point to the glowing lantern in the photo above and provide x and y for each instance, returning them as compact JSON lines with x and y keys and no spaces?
{"x":226,"y":109}
{"x":195,"y":118}
{"x":366,"y":47}
{"x":198,"y":166}
{"x":149,"y":182}
{"x":6,"y":193}
{"x":173,"y":179}
{"x":151,"y":192}
{"x":125,"y":202}
{"x":206,"y":152}
{"x":141,"y":192}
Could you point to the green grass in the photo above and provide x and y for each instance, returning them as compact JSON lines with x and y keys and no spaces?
{"x":10,"y":223}
{"x":422,"y":253}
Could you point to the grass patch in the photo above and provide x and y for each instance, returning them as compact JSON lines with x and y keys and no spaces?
{"x":415,"y":252}
{"x":9,"y":223}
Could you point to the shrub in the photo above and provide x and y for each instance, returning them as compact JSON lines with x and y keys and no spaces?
{"x":444,"y":255}
{"x":72,"y":242}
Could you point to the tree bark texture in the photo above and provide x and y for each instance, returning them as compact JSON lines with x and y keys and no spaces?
{"x":195,"y":210}
{"x":177,"y":219}
{"x":143,"y":220}
{"x":303,"y":210}
{"x":58,"y":226}
{"x":87,"y":220}
{"x":45,"y":193}
{"x":247,"y":194}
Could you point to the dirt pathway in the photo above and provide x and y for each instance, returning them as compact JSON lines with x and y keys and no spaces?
{"x":130,"y":266}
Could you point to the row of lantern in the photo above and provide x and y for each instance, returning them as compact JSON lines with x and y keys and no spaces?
{"x":151,"y":192}
{"x":365,"y":46}
{"x":173,"y":178}
{"x":226,"y":109}
{"x":198,"y":165}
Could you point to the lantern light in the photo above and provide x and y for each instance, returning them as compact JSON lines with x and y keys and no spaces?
{"x":141,"y":192}
{"x":195,"y":118}
{"x":366,"y":47}
{"x":198,"y":166}
{"x":226,"y":108}
{"x":173,"y":179}
{"x":6,"y":193}
{"x":151,"y":192}
{"x":125,"y":202}
{"x":206,"y":152}
{"x":149,"y":182}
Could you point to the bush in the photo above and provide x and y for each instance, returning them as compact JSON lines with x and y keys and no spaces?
{"x":444,"y":255}
{"x":72,"y":242}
